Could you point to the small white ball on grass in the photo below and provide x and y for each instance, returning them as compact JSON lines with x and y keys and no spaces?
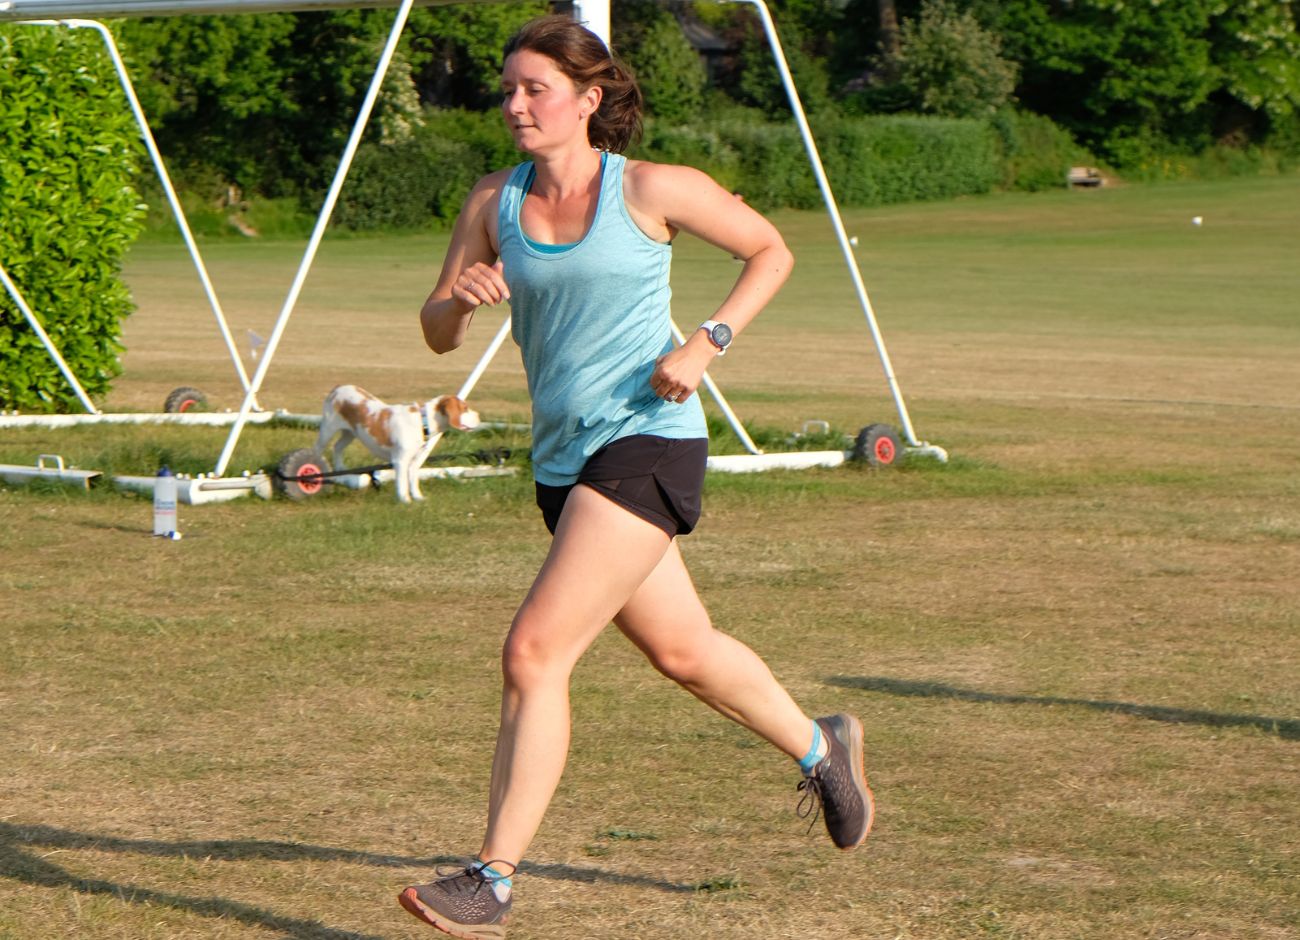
{"x":1197,"y":220}
{"x":854,"y":241}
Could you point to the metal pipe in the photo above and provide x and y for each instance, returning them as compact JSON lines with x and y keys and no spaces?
{"x":194,"y":419}
{"x":322,"y":220}
{"x":14,"y":473}
{"x":48,"y":343}
{"x":482,"y":364}
{"x":716,"y":392}
{"x":11,"y":10}
{"x":800,"y":460}
{"x":594,"y":14}
{"x":833,"y":209}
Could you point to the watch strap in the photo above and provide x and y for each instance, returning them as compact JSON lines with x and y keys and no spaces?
{"x":708,"y":327}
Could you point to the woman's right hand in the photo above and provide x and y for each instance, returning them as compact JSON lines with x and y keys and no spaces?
{"x":481,"y":284}
{"x":471,"y":273}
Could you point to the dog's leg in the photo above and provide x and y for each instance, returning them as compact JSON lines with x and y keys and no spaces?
{"x":413,"y":474}
{"x":417,"y":461}
{"x":323,"y":438}
{"x":346,"y":437}
{"x":402,"y":468}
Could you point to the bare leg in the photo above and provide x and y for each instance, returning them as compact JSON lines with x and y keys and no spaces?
{"x":600,"y":556}
{"x":667,"y":621}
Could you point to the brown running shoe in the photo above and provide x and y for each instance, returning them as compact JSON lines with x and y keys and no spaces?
{"x":461,"y":903}
{"x":838,"y":785}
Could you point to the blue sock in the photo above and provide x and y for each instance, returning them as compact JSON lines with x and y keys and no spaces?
{"x":500,"y":883}
{"x":816,"y":753}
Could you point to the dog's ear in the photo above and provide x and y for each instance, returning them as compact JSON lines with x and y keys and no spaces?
{"x":457,"y":413}
{"x":468,"y":418}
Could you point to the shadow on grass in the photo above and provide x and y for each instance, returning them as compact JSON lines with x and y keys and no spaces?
{"x":19,"y":862}
{"x":33,"y":869}
{"x":1285,"y":728}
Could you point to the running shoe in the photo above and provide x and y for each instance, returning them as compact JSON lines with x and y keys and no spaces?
{"x":461,"y":903}
{"x":837,"y":787}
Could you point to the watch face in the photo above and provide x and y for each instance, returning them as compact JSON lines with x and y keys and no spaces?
{"x":721,"y":334}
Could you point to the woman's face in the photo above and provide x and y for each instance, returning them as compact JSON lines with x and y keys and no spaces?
{"x":542,"y":107}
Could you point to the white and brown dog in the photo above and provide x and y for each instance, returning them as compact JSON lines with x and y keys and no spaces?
{"x":401,"y":434}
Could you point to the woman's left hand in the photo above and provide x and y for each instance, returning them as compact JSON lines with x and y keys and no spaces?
{"x":678,"y":374}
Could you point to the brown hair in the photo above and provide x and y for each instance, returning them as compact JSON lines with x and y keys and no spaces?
{"x":580,"y":54}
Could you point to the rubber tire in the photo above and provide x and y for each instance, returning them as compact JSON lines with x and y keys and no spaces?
{"x":185,"y":399}
{"x":302,"y":462}
{"x":879,"y":445}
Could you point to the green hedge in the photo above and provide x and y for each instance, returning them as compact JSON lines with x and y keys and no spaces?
{"x":1036,"y":153}
{"x":69,"y":151}
{"x":870,"y":161}
{"x":881,"y":160}
{"x":423,"y":181}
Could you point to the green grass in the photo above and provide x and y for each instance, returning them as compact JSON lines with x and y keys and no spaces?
{"x":1073,"y":645}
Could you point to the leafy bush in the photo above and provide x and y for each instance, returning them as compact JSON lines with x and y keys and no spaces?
{"x":668,"y":69}
{"x":903,"y":158}
{"x":1144,"y":84}
{"x":1232,"y":161}
{"x":1036,"y":153}
{"x":772,"y":166}
{"x":870,"y":161}
{"x":68,"y":210}
{"x":759,"y":84}
{"x":407,"y":185}
{"x":484,"y":131}
{"x":700,"y":145}
{"x":1284,"y":140}
{"x":423,"y":180}
{"x":949,"y":64}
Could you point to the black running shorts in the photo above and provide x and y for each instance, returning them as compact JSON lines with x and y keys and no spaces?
{"x":656,"y":478}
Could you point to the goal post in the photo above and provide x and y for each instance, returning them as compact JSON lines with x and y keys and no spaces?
{"x":593,"y":13}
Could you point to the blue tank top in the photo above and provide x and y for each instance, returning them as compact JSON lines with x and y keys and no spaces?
{"x":591,"y":319}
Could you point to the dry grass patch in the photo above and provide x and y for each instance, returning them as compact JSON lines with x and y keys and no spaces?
{"x":1073,"y":646}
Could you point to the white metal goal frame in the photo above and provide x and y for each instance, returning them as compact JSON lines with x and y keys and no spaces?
{"x":595,"y":13}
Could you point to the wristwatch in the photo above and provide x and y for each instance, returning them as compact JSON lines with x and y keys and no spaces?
{"x":719,"y":334}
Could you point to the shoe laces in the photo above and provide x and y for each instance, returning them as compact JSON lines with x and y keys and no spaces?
{"x":810,"y":804}
{"x":471,"y":870}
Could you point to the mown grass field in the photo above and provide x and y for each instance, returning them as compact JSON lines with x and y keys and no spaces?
{"x":1074,"y":646}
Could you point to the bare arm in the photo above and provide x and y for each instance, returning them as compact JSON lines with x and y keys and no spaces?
{"x":681,"y":198}
{"x":471,"y":271}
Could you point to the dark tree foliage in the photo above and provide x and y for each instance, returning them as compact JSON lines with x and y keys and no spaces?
{"x":267,"y":101}
{"x":1135,"y":79}
{"x":648,"y":36}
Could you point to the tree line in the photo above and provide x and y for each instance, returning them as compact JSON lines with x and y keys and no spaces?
{"x":263,"y":100}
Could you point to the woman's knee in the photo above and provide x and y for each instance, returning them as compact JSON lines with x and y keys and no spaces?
{"x":527,"y":659}
{"x":685,"y":662}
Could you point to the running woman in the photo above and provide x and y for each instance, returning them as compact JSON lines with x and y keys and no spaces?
{"x":578,"y":241}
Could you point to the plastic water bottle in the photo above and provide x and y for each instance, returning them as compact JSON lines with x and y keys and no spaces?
{"x":164,"y":505}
